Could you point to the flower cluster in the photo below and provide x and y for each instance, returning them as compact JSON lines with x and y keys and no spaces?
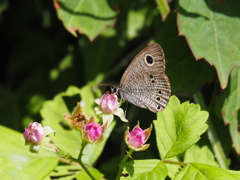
{"x":92,"y":132}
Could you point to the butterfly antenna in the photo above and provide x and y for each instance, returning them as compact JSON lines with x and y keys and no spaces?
{"x":96,"y":86}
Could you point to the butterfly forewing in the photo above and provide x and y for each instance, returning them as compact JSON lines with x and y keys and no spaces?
{"x":144,"y":82}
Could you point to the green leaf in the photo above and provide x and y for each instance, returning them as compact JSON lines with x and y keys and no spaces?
{"x":96,"y":174}
{"x":140,"y":18}
{"x":211,"y":29}
{"x":201,"y":154}
{"x":205,"y":172}
{"x":68,"y":139}
{"x":184,"y":72}
{"x":85,"y":16}
{"x":74,"y":172}
{"x":231,"y":107}
{"x":70,"y":171}
{"x":178,"y":127}
{"x":144,"y":169}
{"x":17,"y":162}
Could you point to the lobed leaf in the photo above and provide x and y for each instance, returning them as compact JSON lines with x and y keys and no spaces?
{"x":178,"y":127}
{"x":212,"y":31}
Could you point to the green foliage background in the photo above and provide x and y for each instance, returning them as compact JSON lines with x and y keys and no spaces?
{"x":48,"y":46}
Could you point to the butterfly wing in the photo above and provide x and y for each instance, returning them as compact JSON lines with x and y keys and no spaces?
{"x":144,"y":82}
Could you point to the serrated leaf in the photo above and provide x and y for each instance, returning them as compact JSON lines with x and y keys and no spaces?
{"x":17,"y":162}
{"x":211,"y":29}
{"x":178,"y":127}
{"x":201,"y":155}
{"x":68,"y":139}
{"x":231,"y":107}
{"x":197,"y":171}
{"x":144,"y":169}
{"x":85,"y":16}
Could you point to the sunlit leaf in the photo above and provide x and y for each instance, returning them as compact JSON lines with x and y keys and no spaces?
{"x":17,"y":162}
{"x":197,"y":171}
{"x":144,"y":169}
{"x":178,"y":127}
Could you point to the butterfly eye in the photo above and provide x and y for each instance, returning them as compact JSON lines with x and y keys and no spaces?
{"x":149,"y":60}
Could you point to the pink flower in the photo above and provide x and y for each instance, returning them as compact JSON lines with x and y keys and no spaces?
{"x":93,"y":132}
{"x":34,"y":133}
{"x":109,"y":105}
{"x":35,"y":136}
{"x":137,"y":137}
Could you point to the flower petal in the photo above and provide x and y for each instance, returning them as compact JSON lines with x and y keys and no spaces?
{"x":143,"y":147}
{"x":97,"y":110}
{"x":120,"y":113}
{"x":47,"y":144}
{"x":147,"y":132}
{"x":97,"y":101}
{"x":48,"y":130}
{"x":107,"y":118}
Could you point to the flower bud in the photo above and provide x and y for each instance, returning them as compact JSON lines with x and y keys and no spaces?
{"x":93,"y":132}
{"x":109,"y":103}
{"x":34,"y":133}
{"x":137,"y":137}
{"x":35,"y":136}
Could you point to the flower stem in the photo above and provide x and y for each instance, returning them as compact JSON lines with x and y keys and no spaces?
{"x":163,"y":7}
{"x":81,"y":163}
{"x":124,"y":160}
{"x":212,"y":135}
